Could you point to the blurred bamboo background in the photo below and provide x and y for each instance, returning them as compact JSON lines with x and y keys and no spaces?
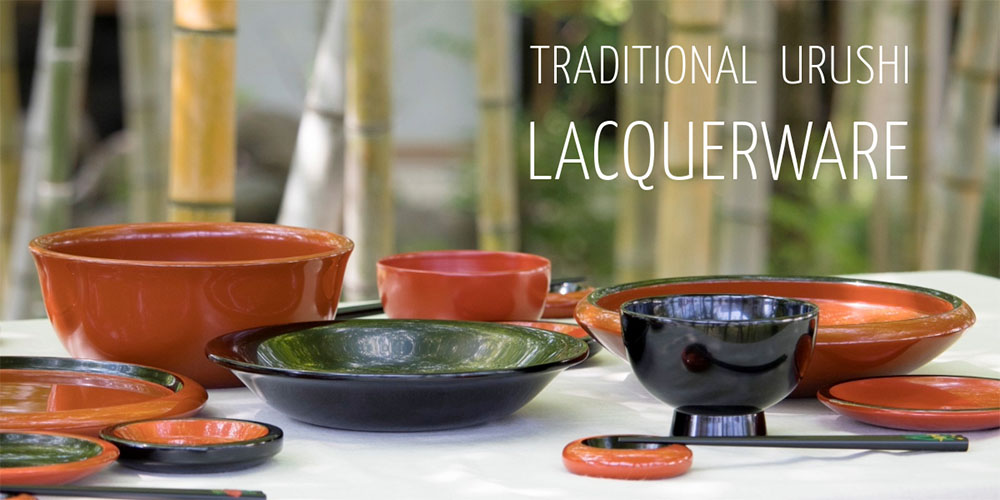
{"x":368,"y":160}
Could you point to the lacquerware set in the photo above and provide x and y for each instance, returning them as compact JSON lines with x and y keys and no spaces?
{"x":152,"y":313}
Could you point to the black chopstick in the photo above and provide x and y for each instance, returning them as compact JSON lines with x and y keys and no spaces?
{"x":908,"y":442}
{"x":359,"y":311}
{"x":129,"y":492}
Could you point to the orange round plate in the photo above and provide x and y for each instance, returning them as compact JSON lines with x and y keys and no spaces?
{"x":599,"y":456}
{"x":562,"y":305}
{"x":56,"y":458}
{"x":919,"y":402}
{"x":84,"y":396}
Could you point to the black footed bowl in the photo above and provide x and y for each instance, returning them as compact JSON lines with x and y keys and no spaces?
{"x":719,"y":355}
{"x":396,"y":375}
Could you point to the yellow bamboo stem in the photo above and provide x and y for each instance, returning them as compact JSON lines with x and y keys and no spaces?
{"x":10,"y":132}
{"x":497,"y":217}
{"x":368,"y":197}
{"x":202,"y":132}
{"x":685,"y":217}
{"x":637,"y":208}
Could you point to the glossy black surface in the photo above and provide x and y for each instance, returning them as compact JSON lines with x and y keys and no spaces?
{"x":193,"y":459}
{"x":719,"y":354}
{"x":19,"y":449}
{"x":396,"y":375}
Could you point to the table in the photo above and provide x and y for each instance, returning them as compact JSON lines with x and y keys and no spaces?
{"x":519,"y":456}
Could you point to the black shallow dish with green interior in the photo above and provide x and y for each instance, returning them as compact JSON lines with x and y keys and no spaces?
{"x":396,"y":375}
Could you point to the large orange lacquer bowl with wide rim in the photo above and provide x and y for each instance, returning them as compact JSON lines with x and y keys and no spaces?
{"x":866,"y":328}
{"x":155,"y":294}
{"x":466,"y":285}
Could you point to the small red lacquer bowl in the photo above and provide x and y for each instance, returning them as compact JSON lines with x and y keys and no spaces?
{"x":469,"y":285}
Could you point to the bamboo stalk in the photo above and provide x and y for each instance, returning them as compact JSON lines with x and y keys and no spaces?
{"x":202,"y":125}
{"x":893,"y":25}
{"x":50,"y":145}
{"x":497,"y":216}
{"x":368,"y":197}
{"x":953,"y":230}
{"x":314,"y":191}
{"x":744,"y":204}
{"x":10,"y":132}
{"x":926,"y":89}
{"x":145,"y":34}
{"x":685,"y":217}
{"x":637,"y":208}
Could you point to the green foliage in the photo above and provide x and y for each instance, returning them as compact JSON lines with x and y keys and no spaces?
{"x":988,"y":256}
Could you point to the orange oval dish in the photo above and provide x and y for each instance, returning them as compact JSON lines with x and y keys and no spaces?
{"x":866,"y":328}
{"x":60,"y":473}
{"x":919,"y":402}
{"x":190,"y":432}
{"x":562,"y":305}
{"x":598,"y":456}
{"x":84,"y":396}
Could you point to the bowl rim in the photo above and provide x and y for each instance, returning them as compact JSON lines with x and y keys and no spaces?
{"x":218,"y":350}
{"x":274,"y":433}
{"x":386,"y":262}
{"x":108,"y":454}
{"x":826,"y":397}
{"x":41,"y":245}
{"x":956,"y":302}
{"x":811,"y":312}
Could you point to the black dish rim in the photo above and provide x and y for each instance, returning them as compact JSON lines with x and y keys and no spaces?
{"x":219,"y":350}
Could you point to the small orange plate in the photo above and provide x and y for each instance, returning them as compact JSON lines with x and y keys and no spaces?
{"x":919,"y":402}
{"x":604,"y":456}
{"x":562,"y":305}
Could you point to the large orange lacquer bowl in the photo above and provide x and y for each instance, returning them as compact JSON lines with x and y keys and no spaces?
{"x":468,"y":285}
{"x":155,"y":294}
{"x":866,"y":328}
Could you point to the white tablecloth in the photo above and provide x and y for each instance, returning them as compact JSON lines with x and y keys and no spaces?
{"x":519,"y":456}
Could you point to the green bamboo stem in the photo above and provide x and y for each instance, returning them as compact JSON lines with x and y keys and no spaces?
{"x":145,"y":32}
{"x":202,"y":176}
{"x":50,"y":145}
{"x":10,"y":133}
{"x":314,"y":191}
{"x":953,"y":230}
{"x":368,"y":197}
{"x":633,"y":241}
{"x":685,"y":216}
{"x":744,"y":203}
{"x":497,"y":216}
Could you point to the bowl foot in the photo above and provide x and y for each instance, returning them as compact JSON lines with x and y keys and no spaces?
{"x":687,"y":424}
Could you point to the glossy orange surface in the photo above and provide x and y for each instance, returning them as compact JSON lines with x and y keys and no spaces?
{"x":85,"y":403}
{"x":919,"y":402}
{"x":61,"y":473}
{"x":154,"y":294}
{"x":562,"y":305}
{"x":572,"y":330}
{"x":190,"y":432}
{"x":866,"y":328}
{"x":470,"y":285}
{"x":658,"y":462}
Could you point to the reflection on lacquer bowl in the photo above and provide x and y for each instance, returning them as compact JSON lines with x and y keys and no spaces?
{"x":154,"y":294}
{"x":719,"y":360}
{"x":465,"y":285}
{"x":866,"y":328}
{"x":396,"y":375}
